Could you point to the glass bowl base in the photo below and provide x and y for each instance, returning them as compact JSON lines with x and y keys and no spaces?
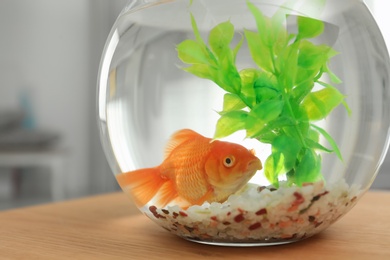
{"x":244,"y":244}
{"x":260,"y":215}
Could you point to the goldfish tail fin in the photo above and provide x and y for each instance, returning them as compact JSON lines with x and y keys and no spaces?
{"x":142,"y":184}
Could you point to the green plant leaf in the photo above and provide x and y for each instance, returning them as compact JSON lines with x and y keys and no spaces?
{"x":273,"y":129}
{"x":320,"y":103}
{"x":260,"y":53}
{"x":279,"y":123}
{"x":301,"y":90}
{"x":262,"y":23}
{"x":195,"y":52}
{"x":230,"y":122}
{"x":312,"y":56}
{"x":297,"y":131}
{"x":316,"y":146}
{"x":309,"y":28}
{"x":268,"y":110}
{"x":313,"y":135}
{"x":333,"y":77}
{"x":248,"y":77}
{"x":330,"y":140}
{"x":253,"y":126}
{"x":220,"y":37}
{"x":278,"y":31}
{"x":307,"y":75}
{"x":288,"y":67}
{"x":192,"y":52}
{"x":289,"y":148}
{"x":265,"y":87}
{"x":309,"y":168}
{"x":232,"y":102}
{"x":228,"y":77}
{"x":202,"y":71}
{"x":272,"y":168}
{"x":280,"y":38}
{"x":220,"y":68}
{"x":261,"y":115}
{"x":237,"y":48}
{"x":196,"y":31}
{"x":342,"y":102}
{"x":345,"y":104}
{"x":268,"y":137}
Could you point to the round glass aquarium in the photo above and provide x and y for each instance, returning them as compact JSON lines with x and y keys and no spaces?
{"x":235,"y":122}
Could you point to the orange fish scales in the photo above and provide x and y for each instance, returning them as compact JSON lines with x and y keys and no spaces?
{"x":192,"y":184}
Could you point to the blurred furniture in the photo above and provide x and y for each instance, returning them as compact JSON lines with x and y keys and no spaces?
{"x":111,"y":227}
{"x":52,"y":159}
{"x":22,"y":148}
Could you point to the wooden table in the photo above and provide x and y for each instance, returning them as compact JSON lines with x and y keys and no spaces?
{"x":110,"y":227}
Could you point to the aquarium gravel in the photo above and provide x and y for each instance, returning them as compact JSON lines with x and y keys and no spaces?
{"x":261,"y":214}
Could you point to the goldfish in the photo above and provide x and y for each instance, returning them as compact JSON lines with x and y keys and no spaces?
{"x":195,"y":169}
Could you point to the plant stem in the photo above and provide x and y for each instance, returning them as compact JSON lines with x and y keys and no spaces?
{"x":286,"y":99}
{"x":275,"y":72}
{"x":242,"y":97}
{"x":291,"y":114}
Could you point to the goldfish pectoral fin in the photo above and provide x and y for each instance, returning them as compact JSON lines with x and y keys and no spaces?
{"x":166,"y":194}
{"x":141,"y":184}
{"x":181,"y":202}
{"x":206,"y":197}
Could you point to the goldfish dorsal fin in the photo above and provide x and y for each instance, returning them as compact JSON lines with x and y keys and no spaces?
{"x":179,"y":138}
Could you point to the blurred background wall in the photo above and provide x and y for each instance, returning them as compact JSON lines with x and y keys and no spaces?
{"x":49,"y":53}
{"x":49,"y":57}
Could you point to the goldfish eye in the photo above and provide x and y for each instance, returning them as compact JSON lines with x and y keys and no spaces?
{"x":229,"y":161}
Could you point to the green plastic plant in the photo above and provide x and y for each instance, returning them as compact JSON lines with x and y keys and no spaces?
{"x":275,"y":103}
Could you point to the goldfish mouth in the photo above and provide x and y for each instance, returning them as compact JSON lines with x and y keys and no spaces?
{"x":254,"y":165}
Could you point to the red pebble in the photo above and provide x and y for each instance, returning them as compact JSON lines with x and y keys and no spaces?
{"x":153,"y":209}
{"x":255,"y":226}
{"x":214,"y":218}
{"x":261,"y":212}
{"x":183,"y":214}
{"x":298,"y":198}
{"x":239,"y":218}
